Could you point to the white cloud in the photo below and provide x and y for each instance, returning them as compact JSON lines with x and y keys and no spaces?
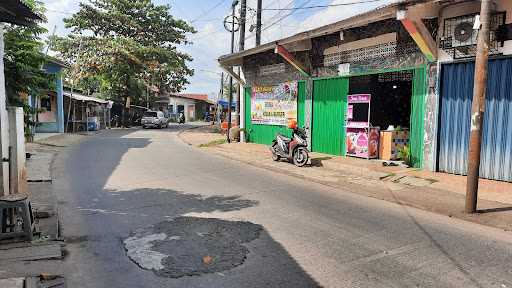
{"x":212,"y":40}
{"x":57,"y":10}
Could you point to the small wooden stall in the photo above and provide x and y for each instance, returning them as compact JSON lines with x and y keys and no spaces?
{"x":86,"y":113}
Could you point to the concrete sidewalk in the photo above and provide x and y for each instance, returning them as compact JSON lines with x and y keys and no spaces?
{"x":39,"y":176}
{"x":437,"y":192}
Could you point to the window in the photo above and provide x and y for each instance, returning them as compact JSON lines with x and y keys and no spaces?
{"x":46,"y":103}
{"x":150,"y":114}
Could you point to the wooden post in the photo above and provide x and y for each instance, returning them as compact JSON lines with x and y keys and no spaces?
{"x":478,"y":108}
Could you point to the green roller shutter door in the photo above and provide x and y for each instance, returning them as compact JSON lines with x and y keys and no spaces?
{"x":329,"y":109}
{"x":419,"y":92}
{"x":264,"y":134}
{"x":301,"y":111}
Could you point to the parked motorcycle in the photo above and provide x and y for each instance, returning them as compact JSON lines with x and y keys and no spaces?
{"x":293,"y":149}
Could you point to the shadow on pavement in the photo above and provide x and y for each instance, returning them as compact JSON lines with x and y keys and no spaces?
{"x":97,"y":221}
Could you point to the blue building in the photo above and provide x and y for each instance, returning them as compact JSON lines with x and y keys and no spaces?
{"x":51,"y":119}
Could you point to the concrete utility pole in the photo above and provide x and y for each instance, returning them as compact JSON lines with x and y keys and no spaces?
{"x":4,"y":127}
{"x":241,"y":47}
{"x":258,"y":23}
{"x":243,"y":13}
{"x":478,"y":108}
{"x":220,"y":98}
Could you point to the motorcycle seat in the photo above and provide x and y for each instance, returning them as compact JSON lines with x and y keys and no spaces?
{"x":283,"y":138}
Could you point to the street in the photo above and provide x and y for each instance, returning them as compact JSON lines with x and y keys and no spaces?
{"x":120,"y":181}
{"x":362,"y":143}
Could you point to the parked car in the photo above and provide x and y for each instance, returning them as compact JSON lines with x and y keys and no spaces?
{"x":154,"y":119}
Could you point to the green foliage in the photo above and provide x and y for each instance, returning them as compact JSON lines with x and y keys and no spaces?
{"x":24,"y":59}
{"x":404,"y":154}
{"x":130,"y":48}
{"x":214,"y":143}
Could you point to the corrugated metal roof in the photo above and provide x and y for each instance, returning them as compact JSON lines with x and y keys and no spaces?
{"x":380,"y":13}
{"x":80,"y":97}
{"x":16,"y":12}
{"x":202,"y":97}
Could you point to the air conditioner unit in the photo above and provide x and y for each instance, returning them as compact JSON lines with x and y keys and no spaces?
{"x":463,"y":33}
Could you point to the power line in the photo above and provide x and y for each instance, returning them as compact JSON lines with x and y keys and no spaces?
{"x":321,"y":6}
{"x":280,"y":19}
{"x":59,"y":12}
{"x":208,"y":11}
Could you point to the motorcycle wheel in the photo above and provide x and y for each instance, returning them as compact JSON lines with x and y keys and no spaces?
{"x":300,"y":157}
{"x":275,"y":157}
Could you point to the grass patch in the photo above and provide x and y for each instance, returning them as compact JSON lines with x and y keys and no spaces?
{"x":432,"y":181}
{"x":214,"y":143}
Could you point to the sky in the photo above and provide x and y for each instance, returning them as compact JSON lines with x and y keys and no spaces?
{"x":212,"y":40}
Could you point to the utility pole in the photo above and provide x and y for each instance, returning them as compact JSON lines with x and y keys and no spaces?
{"x":241,"y":47}
{"x":230,"y":96}
{"x":478,"y":108}
{"x":220,"y":97}
{"x":258,"y":23}
{"x":243,"y":13}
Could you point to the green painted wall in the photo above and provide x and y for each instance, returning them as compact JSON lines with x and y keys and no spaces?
{"x":301,"y":102}
{"x":419,"y":92}
{"x":329,"y":108}
{"x":264,"y":134}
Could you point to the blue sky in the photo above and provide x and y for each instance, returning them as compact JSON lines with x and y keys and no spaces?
{"x":212,"y":40}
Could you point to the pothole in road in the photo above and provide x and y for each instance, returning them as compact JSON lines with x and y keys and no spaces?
{"x":188,"y":246}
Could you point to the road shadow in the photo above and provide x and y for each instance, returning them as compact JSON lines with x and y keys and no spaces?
{"x":171,"y":203}
{"x":97,"y":221}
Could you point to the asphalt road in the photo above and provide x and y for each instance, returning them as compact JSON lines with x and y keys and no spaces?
{"x":123,"y":180}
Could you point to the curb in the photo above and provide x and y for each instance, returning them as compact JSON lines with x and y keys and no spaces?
{"x":186,"y":130}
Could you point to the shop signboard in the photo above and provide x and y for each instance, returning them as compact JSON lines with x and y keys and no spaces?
{"x":274,"y":105}
{"x":362,"y":140}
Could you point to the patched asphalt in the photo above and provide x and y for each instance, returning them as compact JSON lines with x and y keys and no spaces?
{"x":191,"y":246}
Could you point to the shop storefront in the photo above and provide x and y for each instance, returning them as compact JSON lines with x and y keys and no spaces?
{"x":362,"y":84}
{"x":455,"y":119}
{"x":352,"y":114}
{"x":456,"y":81}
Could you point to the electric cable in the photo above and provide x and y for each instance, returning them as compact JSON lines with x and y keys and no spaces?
{"x":322,"y":6}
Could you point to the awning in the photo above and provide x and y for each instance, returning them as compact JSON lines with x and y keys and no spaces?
{"x":16,"y":12}
{"x":301,"y":41}
{"x":224,"y":103}
{"x":80,"y":97}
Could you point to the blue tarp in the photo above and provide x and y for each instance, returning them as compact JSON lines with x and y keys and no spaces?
{"x":224,"y":103}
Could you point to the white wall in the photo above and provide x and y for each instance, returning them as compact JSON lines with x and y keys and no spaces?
{"x":4,"y":125}
{"x":176,"y":101}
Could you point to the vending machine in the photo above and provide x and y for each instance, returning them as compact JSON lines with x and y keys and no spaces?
{"x":361,"y":138}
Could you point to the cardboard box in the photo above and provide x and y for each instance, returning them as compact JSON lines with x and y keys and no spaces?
{"x":391,"y":142}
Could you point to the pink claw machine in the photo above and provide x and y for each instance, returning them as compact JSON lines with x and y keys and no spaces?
{"x":362,"y":139}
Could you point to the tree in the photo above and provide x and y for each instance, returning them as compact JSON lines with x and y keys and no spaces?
{"x":23,"y":61}
{"x":130,"y":45}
